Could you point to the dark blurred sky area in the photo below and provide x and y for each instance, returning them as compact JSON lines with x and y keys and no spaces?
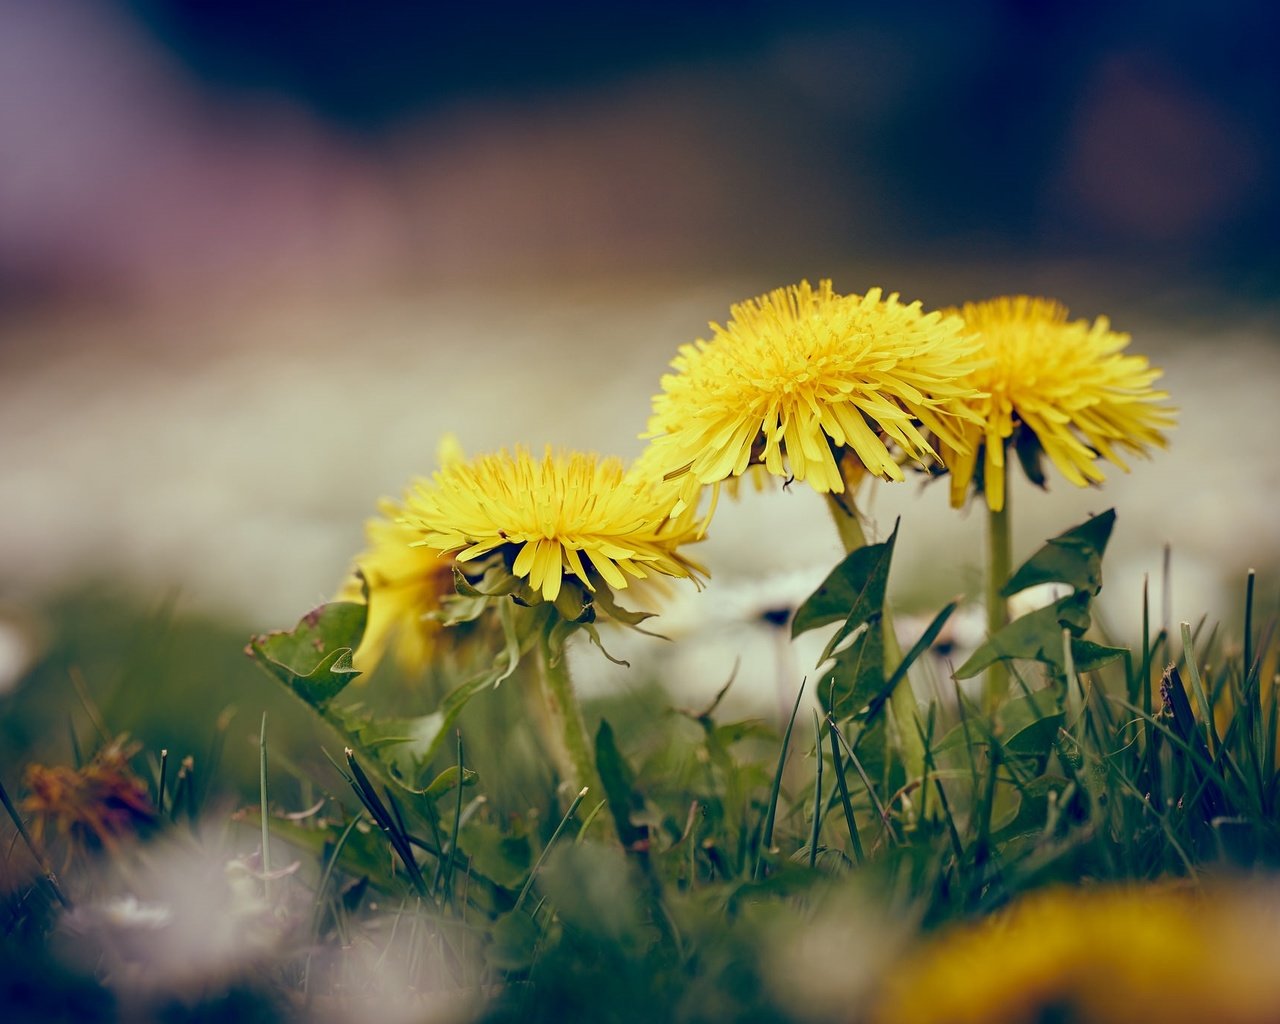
{"x":169,"y":147}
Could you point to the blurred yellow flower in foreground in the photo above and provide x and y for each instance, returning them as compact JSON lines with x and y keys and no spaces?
{"x":799,"y":374}
{"x":567,"y":514}
{"x":1118,"y":955}
{"x":406,"y":584}
{"x":1054,"y":386}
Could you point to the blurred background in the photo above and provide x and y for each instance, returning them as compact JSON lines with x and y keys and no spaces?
{"x":256,"y":258}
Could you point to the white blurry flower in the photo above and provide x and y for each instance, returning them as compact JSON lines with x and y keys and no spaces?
{"x":127,"y":912}
{"x":184,"y":914}
{"x":19,"y":646}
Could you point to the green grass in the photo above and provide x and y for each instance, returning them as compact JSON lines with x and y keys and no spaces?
{"x":493,"y":889}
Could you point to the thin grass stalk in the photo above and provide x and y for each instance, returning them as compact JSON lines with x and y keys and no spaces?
{"x":926,"y":737}
{"x":771,"y":814}
{"x":457,"y":824}
{"x":533,"y":873}
{"x":843,"y":785}
{"x":999,"y":568}
{"x":322,"y":888}
{"x":1197,"y":687}
{"x":1250,"y":582}
{"x":35,"y":851}
{"x":817,"y":793}
{"x":885,"y":819}
{"x":76,"y":753}
{"x":164,"y":770}
{"x":262,"y":804}
{"x":902,"y":701}
{"x":1166,"y":591}
{"x":382,"y":817}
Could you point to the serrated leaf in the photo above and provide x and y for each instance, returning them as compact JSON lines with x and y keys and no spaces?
{"x":1088,"y":656}
{"x":605,"y":598}
{"x":448,"y":779}
{"x":314,"y":658}
{"x":853,"y":592}
{"x":1036,"y":636}
{"x":1073,"y":557}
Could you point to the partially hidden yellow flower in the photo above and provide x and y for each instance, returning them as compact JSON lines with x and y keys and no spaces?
{"x":568,"y":514}
{"x":406,"y":583}
{"x":1054,"y":386}
{"x":800,"y":376}
{"x":1108,"y":955}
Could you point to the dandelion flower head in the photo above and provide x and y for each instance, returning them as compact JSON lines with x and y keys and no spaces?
{"x":567,"y":514}
{"x":406,"y":583}
{"x":1055,"y":386}
{"x":803,"y":370}
{"x":1113,"y":955}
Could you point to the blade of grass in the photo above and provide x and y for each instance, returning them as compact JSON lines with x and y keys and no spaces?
{"x":1144,"y":679}
{"x":885,"y":820}
{"x":1250,"y":582}
{"x":588,"y":818}
{"x":817,"y":793}
{"x":917,"y":649}
{"x":533,"y":873}
{"x":1166,"y":591}
{"x":35,"y":851}
{"x":319,"y":903}
{"x":164,"y":771}
{"x":369,"y":797}
{"x":842,"y":783}
{"x":766,"y":837}
{"x":457,"y":823}
{"x":262,"y":797}
{"x":1197,"y":687}
{"x":77,"y":755}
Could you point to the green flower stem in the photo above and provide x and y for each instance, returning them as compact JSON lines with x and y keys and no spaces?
{"x":568,"y":725}
{"x":902,"y":702}
{"x":999,"y":567}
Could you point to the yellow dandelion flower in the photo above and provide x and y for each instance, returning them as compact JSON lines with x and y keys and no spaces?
{"x":1052,"y":386}
{"x":567,"y":514}
{"x":1112,"y":955}
{"x":406,"y":582}
{"x":800,"y":375}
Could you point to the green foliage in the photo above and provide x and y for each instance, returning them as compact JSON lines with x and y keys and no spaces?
{"x":314,"y":658}
{"x":1052,"y":634}
{"x":1073,"y":557}
{"x":733,"y":840}
{"x":853,"y":594}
